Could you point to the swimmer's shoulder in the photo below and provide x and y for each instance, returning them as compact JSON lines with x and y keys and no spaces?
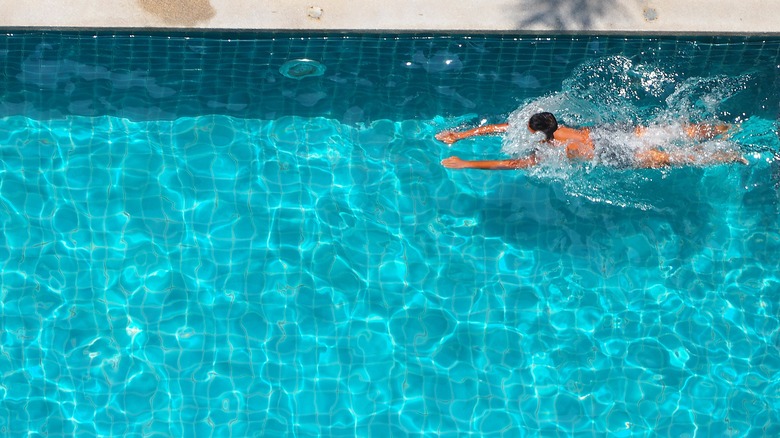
{"x":579,"y":135}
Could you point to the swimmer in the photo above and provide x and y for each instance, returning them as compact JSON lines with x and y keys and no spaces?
{"x":579,"y":146}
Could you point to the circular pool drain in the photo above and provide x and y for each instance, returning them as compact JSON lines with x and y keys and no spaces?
{"x":301,"y":68}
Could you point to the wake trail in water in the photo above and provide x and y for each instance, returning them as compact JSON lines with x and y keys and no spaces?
{"x":612,"y":97}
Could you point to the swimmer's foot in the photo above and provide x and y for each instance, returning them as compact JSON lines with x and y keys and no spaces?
{"x":448,"y":137}
{"x":724,"y":132}
{"x":737,"y":158}
{"x":730,"y":157}
{"x":719,"y":129}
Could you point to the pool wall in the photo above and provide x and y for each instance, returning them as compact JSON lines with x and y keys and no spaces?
{"x":141,"y":75}
{"x":549,"y":16}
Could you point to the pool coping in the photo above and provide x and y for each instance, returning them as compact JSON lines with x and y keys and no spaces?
{"x":539,"y":17}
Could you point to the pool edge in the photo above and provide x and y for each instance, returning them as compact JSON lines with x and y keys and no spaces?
{"x":611,"y":17}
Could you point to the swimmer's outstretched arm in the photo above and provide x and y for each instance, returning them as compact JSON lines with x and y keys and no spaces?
{"x":520,"y":163}
{"x":451,"y":137}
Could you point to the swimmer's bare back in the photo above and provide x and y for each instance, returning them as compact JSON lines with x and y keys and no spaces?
{"x":578,"y":143}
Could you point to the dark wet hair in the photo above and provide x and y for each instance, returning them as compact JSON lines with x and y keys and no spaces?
{"x":544,"y":122}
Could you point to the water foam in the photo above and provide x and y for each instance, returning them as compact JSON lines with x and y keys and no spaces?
{"x":612,"y":96}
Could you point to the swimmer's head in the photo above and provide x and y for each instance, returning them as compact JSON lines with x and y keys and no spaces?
{"x":544,"y":122}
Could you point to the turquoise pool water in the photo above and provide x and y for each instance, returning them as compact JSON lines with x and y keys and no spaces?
{"x":195,"y":245}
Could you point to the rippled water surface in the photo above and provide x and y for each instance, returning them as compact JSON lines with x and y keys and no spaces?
{"x":195,"y":245}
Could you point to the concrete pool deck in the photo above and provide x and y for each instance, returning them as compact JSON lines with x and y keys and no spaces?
{"x":744,"y":17}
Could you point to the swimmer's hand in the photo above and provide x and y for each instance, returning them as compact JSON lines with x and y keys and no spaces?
{"x":448,"y":137}
{"x":454,"y":163}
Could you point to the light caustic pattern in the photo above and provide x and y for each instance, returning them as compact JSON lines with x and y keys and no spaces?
{"x":300,"y":276}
